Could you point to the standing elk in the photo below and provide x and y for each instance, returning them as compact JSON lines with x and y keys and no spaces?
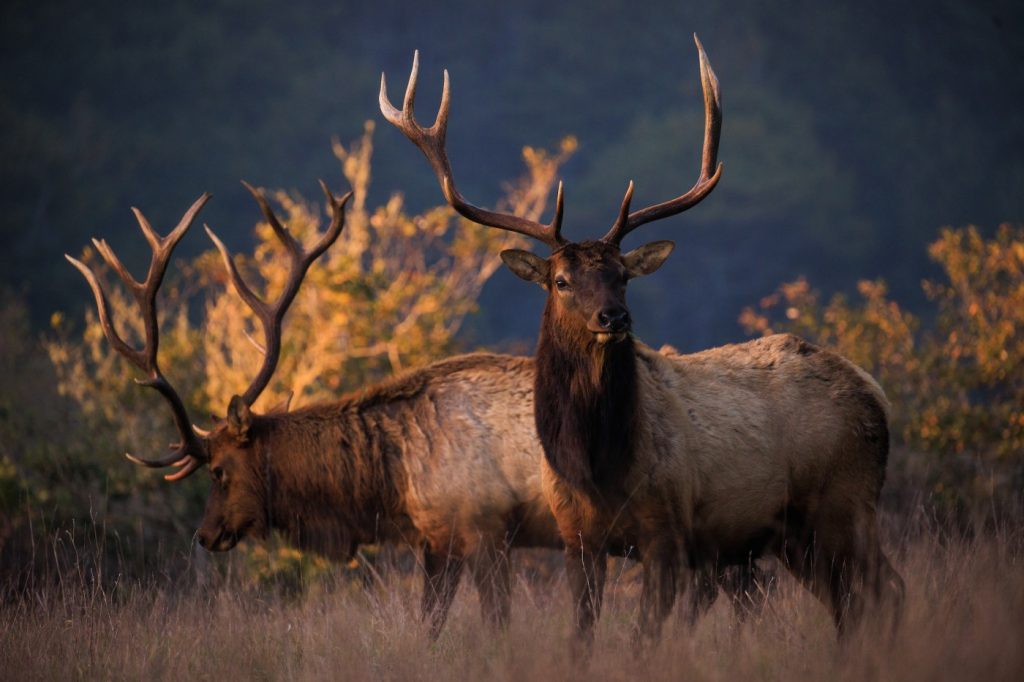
{"x":715,"y":458}
{"x":444,"y":457}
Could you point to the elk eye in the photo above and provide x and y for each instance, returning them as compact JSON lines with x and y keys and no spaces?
{"x":562,"y":284}
{"x":217,"y":473}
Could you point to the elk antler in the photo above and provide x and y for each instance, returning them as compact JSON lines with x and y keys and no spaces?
{"x":709,"y":174}
{"x":191,"y":452}
{"x":431,"y":142}
{"x":271,"y":316}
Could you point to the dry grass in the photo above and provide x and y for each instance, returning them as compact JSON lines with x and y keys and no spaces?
{"x":964,"y":620}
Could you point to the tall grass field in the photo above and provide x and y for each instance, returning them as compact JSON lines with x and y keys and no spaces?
{"x":80,"y":619}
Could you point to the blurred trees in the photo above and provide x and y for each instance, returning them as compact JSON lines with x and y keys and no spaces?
{"x":955,"y":378}
{"x":851,"y":129}
{"x":390,"y":294}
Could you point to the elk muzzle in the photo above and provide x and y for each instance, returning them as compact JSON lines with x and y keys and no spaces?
{"x":217,"y":540}
{"x":610,"y":324}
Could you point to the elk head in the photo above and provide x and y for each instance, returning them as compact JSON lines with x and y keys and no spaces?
{"x":231,"y":449}
{"x":586,"y":281}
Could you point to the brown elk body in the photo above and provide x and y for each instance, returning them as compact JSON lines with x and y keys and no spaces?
{"x":774,"y":446}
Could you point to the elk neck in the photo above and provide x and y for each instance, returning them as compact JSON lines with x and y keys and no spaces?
{"x":586,"y":405}
{"x":327,"y":478}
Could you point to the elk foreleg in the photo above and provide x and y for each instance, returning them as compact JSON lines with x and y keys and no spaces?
{"x":662,"y":578}
{"x":748,"y":587}
{"x":703,"y":593}
{"x":586,"y":566}
{"x":441,"y":572}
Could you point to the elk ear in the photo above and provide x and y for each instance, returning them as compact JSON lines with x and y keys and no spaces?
{"x":526,"y":265}
{"x":239,"y":418}
{"x":643,"y":260}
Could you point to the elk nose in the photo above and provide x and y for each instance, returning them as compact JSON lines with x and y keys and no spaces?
{"x":614,"y":319}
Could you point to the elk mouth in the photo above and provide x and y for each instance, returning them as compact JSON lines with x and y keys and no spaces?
{"x":224,"y":541}
{"x":604,"y":338}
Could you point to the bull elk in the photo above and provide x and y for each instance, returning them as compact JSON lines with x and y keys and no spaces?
{"x":444,"y":457}
{"x":774,"y":446}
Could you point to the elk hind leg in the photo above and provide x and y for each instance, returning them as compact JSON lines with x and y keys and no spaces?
{"x":493,"y":578}
{"x":884,"y":584}
{"x":841,"y":561}
{"x":869,"y":581}
{"x":441,"y":573}
{"x":817,"y":555}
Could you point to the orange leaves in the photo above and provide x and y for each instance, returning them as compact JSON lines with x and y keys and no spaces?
{"x":983,"y":302}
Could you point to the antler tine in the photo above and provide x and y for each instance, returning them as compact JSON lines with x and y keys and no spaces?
{"x":115,"y":263}
{"x":337,"y":221}
{"x":268,"y":213}
{"x":241,"y":288}
{"x":103,"y":308}
{"x":431,"y":141}
{"x":409,"y":101}
{"x":191,"y":452}
{"x":271,"y":316}
{"x":709,"y":174}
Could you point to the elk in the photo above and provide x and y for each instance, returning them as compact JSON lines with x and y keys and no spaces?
{"x":774,"y":446}
{"x":443,"y":458}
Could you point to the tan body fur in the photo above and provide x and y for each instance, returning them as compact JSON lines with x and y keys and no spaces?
{"x":471,"y":458}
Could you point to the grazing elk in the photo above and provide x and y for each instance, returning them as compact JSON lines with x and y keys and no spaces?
{"x":772,"y":446}
{"x":444,"y":457}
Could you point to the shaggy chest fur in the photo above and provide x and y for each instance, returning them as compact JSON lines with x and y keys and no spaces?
{"x":586,"y":412}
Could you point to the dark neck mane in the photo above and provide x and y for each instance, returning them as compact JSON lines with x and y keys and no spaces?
{"x":328,"y":473}
{"x":586,"y":405}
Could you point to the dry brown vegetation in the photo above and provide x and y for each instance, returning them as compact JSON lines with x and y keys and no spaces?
{"x":964,"y":620}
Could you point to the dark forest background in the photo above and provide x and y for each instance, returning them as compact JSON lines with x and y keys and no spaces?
{"x":852,"y":131}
